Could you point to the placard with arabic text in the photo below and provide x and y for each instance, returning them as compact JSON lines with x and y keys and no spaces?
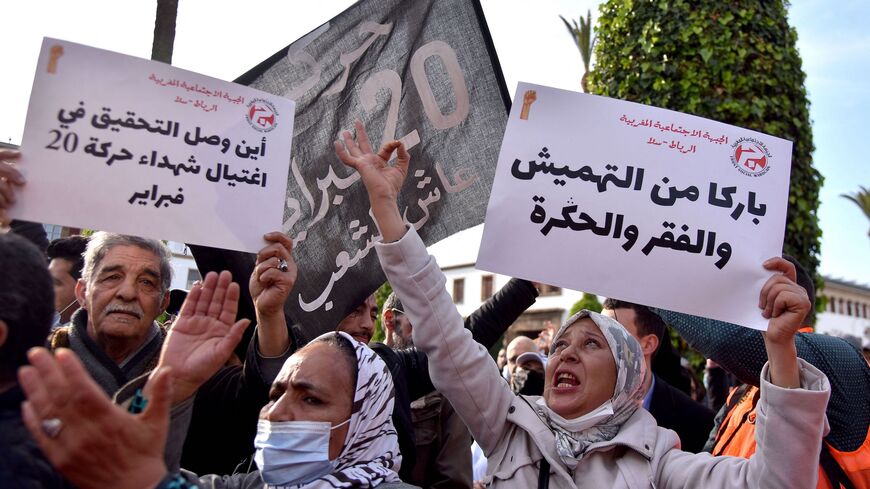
{"x":122,"y":144}
{"x":637,"y":203}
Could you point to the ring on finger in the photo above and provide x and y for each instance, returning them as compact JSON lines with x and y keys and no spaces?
{"x":282,"y":265}
{"x":52,"y":427}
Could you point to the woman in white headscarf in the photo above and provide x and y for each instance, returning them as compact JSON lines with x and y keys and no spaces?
{"x":588,"y":429}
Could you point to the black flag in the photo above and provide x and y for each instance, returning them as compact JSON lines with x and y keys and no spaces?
{"x":424,"y":72}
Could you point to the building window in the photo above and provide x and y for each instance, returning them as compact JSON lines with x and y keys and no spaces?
{"x":53,"y":231}
{"x":531,"y":323}
{"x":458,"y":290}
{"x":192,"y":276}
{"x":545,"y":289}
{"x":486,"y":287}
{"x":849,"y":308}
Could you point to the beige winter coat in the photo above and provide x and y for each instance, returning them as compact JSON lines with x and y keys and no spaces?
{"x":790,"y":423}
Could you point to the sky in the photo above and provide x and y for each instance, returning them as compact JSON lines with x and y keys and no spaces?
{"x":224,"y":39}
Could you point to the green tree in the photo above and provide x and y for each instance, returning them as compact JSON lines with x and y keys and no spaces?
{"x":734,"y":62}
{"x":582,"y":34}
{"x":861,"y":198}
{"x":381,"y":295}
{"x":588,"y":301}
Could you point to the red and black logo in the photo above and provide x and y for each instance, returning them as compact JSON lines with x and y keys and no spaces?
{"x":751,"y":157}
{"x":262,"y":115}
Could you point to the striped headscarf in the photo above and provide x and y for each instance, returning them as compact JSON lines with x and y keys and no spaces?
{"x":370,"y":455}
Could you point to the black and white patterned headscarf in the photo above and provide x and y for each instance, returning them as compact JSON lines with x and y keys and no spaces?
{"x":371,"y":449}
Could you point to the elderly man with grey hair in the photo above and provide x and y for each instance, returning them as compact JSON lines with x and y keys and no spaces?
{"x":123,"y":289}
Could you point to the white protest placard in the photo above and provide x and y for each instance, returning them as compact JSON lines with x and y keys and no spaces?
{"x":637,"y":203}
{"x":122,"y":144}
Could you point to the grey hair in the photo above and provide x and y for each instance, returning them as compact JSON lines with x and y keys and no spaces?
{"x":393,"y":302}
{"x":101,"y":242}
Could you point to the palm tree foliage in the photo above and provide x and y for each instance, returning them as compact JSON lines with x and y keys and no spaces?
{"x":582,"y":34}
{"x":861,"y":198}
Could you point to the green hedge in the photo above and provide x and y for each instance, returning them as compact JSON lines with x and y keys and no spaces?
{"x":588,"y":301}
{"x":734,"y":62}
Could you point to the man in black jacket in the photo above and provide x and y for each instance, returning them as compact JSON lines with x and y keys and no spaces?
{"x":442,"y":439}
{"x":671,"y":408}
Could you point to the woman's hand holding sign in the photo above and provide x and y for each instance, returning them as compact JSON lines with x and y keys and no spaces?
{"x":786,"y":305}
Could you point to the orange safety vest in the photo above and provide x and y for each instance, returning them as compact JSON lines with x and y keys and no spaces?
{"x":736,"y":438}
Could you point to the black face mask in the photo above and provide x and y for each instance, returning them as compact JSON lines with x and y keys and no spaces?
{"x":527,"y":382}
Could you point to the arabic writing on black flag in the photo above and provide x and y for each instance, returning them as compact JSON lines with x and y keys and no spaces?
{"x":423,"y":72}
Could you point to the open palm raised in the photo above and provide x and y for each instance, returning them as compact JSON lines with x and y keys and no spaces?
{"x":204,"y":335}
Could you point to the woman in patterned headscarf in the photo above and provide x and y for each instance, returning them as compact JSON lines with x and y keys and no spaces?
{"x":316,"y":435}
{"x":588,"y":429}
{"x":610,"y":365}
{"x":327,"y":425}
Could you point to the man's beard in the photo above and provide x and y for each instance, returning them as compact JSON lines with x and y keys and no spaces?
{"x":527,"y":382}
{"x":400,"y":343}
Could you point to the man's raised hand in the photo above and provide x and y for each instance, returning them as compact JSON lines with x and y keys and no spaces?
{"x":94,"y":443}
{"x":203,"y":337}
{"x":271,"y":283}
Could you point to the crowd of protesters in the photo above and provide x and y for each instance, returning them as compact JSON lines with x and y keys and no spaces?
{"x":101,"y":387}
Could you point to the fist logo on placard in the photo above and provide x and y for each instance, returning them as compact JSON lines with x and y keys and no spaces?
{"x":262,"y":115}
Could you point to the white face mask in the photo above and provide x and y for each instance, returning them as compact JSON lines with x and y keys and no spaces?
{"x":57,"y":315}
{"x":293,"y":452}
{"x":586,"y":421}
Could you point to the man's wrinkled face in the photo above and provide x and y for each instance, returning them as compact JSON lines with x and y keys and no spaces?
{"x":123,"y":296}
{"x":360,"y":323}
{"x":64,"y":287}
